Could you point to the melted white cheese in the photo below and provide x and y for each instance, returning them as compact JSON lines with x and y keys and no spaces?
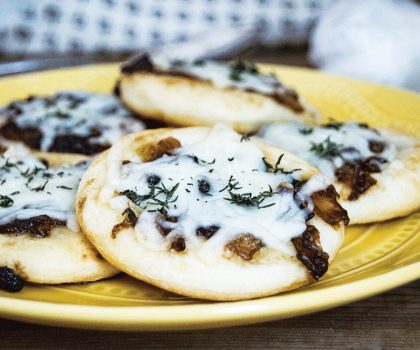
{"x":28,"y":188}
{"x":77,"y":113}
{"x":292,"y":137}
{"x":220,"y":74}
{"x":219,"y":157}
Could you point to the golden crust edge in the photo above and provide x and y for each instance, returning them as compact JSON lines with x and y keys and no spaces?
{"x":55,"y":159}
{"x":236,"y":96}
{"x":408,"y":174}
{"x":83,"y":194}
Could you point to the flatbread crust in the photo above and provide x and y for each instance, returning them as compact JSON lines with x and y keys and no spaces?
{"x":397,"y":191}
{"x":181,"y":101}
{"x":185,"y":273}
{"x":64,"y":256}
{"x":70,"y":122}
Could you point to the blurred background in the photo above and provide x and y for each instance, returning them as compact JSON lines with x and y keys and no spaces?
{"x":376,"y":40}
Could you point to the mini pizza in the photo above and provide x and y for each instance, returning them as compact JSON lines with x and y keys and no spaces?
{"x":207,"y":214}
{"x":67,"y":122}
{"x":206,"y":92}
{"x":40,"y":240}
{"x":376,"y":172}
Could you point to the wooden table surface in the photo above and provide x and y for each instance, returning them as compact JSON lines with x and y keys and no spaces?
{"x":387,"y":321}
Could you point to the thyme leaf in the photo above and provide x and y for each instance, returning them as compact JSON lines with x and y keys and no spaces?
{"x":247,"y":199}
{"x":232,"y":185}
{"x":246,"y":137}
{"x":326,"y":148}
{"x":276,"y":168}
{"x":333,"y":125}
{"x":64,"y":187}
{"x":40,"y":188}
{"x":306,"y":130}
{"x":200,"y":161}
{"x":160,"y":196}
{"x":238,"y":68}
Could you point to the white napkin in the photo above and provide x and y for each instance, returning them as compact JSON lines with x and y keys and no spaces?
{"x":79,"y":26}
{"x":377,"y":40}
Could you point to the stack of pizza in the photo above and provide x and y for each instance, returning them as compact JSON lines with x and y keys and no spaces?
{"x":211,"y":180}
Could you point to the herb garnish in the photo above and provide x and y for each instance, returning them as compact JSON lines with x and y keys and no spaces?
{"x":5,"y":201}
{"x":333,"y":125}
{"x":64,"y":187}
{"x":232,"y":185}
{"x":326,"y":148}
{"x":8,"y":165}
{"x":246,"y":137}
{"x":306,"y":131}
{"x":247,"y":199}
{"x":40,"y":188}
{"x":151,"y":198}
{"x":238,"y":68}
{"x":199,"y":62}
{"x":200,"y":161}
{"x":59,"y":114}
{"x":177,"y":63}
{"x":276,"y":168}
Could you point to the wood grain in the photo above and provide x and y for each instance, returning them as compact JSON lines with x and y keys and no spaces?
{"x":387,"y":321}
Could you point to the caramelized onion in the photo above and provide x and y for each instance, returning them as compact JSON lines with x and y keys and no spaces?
{"x":310,"y":253}
{"x":245,"y":246}
{"x":38,"y":226}
{"x":327,"y":207}
{"x":150,"y":152}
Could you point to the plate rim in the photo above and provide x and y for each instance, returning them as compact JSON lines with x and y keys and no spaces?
{"x":206,"y":315}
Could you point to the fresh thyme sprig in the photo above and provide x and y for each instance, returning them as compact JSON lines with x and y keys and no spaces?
{"x":247,"y":199}
{"x":231,"y":185}
{"x":246,"y":137}
{"x":237,"y":68}
{"x":8,"y":164}
{"x":326,"y":148}
{"x":276,"y":168}
{"x":306,"y":130}
{"x":333,"y":124}
{"x":152,"y":198}
{"x":29,"y":173}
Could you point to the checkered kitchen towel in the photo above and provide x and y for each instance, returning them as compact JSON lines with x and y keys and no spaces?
{"x":31,"y":26}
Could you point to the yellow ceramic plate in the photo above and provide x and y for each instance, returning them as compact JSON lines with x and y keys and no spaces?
{"x":374,"y":258}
